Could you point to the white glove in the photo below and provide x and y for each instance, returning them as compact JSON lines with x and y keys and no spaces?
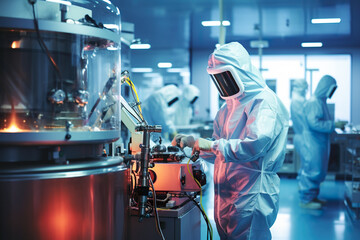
{"x":182,"y":140}
{"x":203,"y":145}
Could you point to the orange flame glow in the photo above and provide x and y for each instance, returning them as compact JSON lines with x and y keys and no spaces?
{"x":15,"y":44}
{"x":13,"y":126}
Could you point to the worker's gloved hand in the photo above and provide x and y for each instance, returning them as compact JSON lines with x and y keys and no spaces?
{"x":182,"y":140}
{"x":172,"y":135}
{"x":202,"y":144}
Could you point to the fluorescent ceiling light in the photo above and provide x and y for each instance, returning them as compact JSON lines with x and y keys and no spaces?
{"x":259,"y":44}
{"x":140,"y":46}
{"x":153,"y":74}
{"x":142,"y":70}
{"x":325,"y":20}
{"x":311,"y":44}
{"x":215,"y":23}
{"x":176,"y":70}
{"x":164,"y":65}
{"x":60,"y":1}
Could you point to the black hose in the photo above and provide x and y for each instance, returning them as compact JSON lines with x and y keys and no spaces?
{"x":157,"y":220}
{"x":204,"y":216}
{"x":44,"y":47}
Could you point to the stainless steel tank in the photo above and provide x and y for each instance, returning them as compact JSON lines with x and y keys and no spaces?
{"x":84,"y":200}
{"x":59,"y":109}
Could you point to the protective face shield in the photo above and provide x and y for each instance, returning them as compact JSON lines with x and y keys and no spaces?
{"x":227,"y":81}
{"x":194,"y":100}
{"x":331,"y":91}
{"x":172,"y":101}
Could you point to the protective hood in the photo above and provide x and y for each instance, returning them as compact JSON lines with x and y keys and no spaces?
{"x":234,"y":56}
{"x":190,"y":93}
{"x":170,"y":93}
{"x":159,"y":109}
{"x":325,"y":87}
{"x":300,"y":86}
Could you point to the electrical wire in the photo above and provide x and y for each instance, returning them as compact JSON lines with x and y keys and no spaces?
{"x":197,"y":182}
{"x":208,"y":224}
{"x":136,"y":98}
{"x":127,"y":79}
{"x":134,"y":115}
{"x":168,"y":196}
{"x":157,"y":220}
{"x":133,"y":185}
{"x":134,"y":91}
{"x":44,"y":47}
{"x":136,"y":110}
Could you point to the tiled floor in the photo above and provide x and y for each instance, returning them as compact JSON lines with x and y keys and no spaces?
{"x":294,"y":223}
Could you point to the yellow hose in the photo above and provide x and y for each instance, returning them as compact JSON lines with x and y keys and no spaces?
{"x":131,"y":84}
{"x":126,"y":78}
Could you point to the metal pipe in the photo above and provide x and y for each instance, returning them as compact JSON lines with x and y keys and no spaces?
{"x":144,"y":173}
{"x":222,"y":27}
{"x":260,"y":40}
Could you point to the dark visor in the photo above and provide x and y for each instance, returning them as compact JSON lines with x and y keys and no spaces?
{"x":332,"y":91}
{"x":225,"y":84}
{"x":172,"y":101}
{"x":193,"y":101}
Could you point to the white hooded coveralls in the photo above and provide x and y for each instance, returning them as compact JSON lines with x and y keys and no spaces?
{"x":184,"y":109}
{"x":250,"y":133}
{"x":159,"y":109}
{"x":298,"y":116}
{"x":316,"y":135}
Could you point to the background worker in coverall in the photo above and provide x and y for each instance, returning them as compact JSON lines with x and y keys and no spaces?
{"x":159,"y":109}
{"x":298,"y":98}
{"x":184,"y":109}
{"x":316,"y":135}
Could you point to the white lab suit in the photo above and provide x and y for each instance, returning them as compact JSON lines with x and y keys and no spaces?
{"x":184,"y":109}
{"x":298,"y":116}
{"x":159,"y":109}
{"x":250,"y":133}
{"x":318,"y":126}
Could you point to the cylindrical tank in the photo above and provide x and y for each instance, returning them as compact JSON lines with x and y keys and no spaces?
{"x":59,"y":109}
{"x":84,"y":200}
{"x":60,"y":69}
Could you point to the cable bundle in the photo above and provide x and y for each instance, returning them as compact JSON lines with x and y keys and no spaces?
{"x":201,"y":208}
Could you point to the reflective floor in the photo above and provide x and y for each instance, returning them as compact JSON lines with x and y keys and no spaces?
{"x":294,"y":223}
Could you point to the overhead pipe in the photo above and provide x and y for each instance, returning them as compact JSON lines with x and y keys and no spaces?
{"x":222,"y":29}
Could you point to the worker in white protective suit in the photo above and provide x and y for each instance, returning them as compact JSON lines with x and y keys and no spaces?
{"x":316,"y":134}
{"x":159,"y":109}
{"x":184,"y":109}
{"x":299,"y":90}
{"x":248,"y":146}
